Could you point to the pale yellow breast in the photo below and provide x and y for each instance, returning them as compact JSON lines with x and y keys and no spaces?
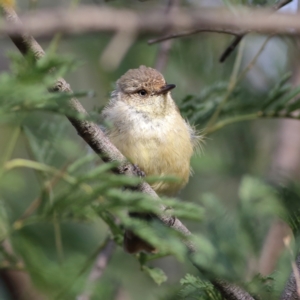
{"x":161,"y":149}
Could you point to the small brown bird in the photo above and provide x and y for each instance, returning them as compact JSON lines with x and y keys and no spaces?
{"x":147,"y":127}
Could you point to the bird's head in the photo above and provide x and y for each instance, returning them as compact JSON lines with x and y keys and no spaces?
{"x":145,"y":89}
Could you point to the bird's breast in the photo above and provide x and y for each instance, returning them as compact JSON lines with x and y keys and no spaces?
{"x":158,"y":146}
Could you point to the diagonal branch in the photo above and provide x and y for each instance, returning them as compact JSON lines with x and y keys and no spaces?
{"x":231,"y":291}
{"x":290,"y":292}
{"x":89,"y":131}
{"x":97,"y":140}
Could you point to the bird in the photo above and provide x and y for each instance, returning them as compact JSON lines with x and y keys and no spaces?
{"x":146,"y":126}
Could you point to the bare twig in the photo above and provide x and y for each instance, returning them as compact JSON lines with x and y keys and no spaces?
{"x":234,"y":78}
{"x":234,"y":81}
{"x":280,"y":4}
{"x":97,"y":140}
{"x":231,"y":47}
{"x":98,"y":268}
{"x":34,"y":205}
{"x":191,"y":32}
{"x":239,"y":37}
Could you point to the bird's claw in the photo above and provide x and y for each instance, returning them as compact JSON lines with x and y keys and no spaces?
{"x":138,"y":171}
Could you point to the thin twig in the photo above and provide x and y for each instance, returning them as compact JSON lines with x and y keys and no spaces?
{"x":253,"y":61}
{"x":233,"y":83}
{"x":231,"y":86}
{"x":249,"y":117}
{"x":231,"y":47}
{"x":34,"y":205}
{"x":239,"y":37}
{"x":280,"y":4}
{"x":232,"y":120}
{"x":192,"y":32}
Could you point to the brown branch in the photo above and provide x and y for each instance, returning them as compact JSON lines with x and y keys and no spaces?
{"x":89,"y":131}
{"x":99,"y":266}
{"x":231,"y":291}
{"x":273,"y":247}
{"x":290,"y":291}
{"x":18,"y":282}
{"x":89,"y":19}
{"x":97,"y":140}
{"x":239,"y":37}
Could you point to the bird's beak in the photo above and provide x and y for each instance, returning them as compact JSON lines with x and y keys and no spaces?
{"x":165,"y":89}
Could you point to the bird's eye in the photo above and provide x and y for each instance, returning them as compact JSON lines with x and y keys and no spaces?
{"x":142,"y":93}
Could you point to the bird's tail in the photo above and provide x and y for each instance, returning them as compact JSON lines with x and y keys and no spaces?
{"x":134,"y":244}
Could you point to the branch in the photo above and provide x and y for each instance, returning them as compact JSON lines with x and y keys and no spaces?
{"x":290,"y":292}
{"x":99,"y":266}
{"x":231,"y":291}
{"x":239,"y":37}
{"x":194,"y":31}
{"x":89,"y":131}
{"x":95,"y":137}
{"x":231,"y":47}
{"x":18,"y":282}
{"x":90,"y":19}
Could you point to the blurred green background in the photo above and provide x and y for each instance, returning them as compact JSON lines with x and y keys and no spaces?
{"x":228,"y":173}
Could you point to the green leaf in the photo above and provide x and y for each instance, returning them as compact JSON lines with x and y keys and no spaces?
{"x":197,"y":289}
{"x":156,"y":274}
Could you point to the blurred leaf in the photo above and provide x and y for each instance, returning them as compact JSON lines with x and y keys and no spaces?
{"x":156,"y":274}
{"x":3,"y":221}
{"x":194,"y":288}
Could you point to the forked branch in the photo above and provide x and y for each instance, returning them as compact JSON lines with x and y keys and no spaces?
{"x":239,"y":37}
